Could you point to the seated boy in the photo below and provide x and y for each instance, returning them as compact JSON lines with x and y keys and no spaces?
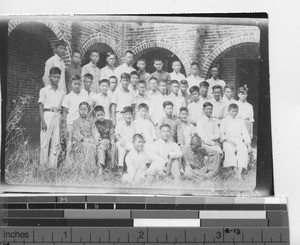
{"x":195,"y":107}
{"x":144,"y":126}
{"x":105,"y":138}
{"x":236,"y":141}
{"x":134,"y":79}
{"x":141,"y":97}
{"x":124,"y":132}
{"x":83,"y":140}
{"x":245,"y":110}
{"x":136,"y":162}
{"x":208,"y":130}
{"x":120,"y":98}
{"x":113,"y":81}
{"x":185,"y":130}
{"x":177,"y":100}
{"x":170,"y":119}
{"x":166,"y":156}
{"x":218,"y":105}
{"x":184,"y":91}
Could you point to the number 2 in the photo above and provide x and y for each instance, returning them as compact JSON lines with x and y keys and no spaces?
{"x":141,"y":235}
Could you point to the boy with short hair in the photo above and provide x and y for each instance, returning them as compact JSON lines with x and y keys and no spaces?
{"x":134,"y":79}
{"x":121,"y":97}
{"x":143,"y":125}
{"x":208,"y":130}
{"x":245,"y":110}
{"x":153,"y":92}
{"x":203,"y":89}
{"x":176,"y":75}
{"x":136,"y":162}
{"x":218,"y":104}
{"x":102,"y":99}
{"x":160,"y":74}
{"x":50,"y":100}
{"x":92,"y":68}
{"x":113,"y":81}
{"x":141,"y":97}
{"x":177,"y":100}
{"x":195,"y":106}
{"x":73,"y":68}
{"x":109,"y":70}
{"x":156,"y":109}
{"x":214,"y":80}
{"x":170,"y":119}
{"x":236,"y":141}
{"x":106,"y":138}
{"x":56,"y":61}
{"x":194,"y":79}
{"x":87,"y":83}
{"x":70,"y":108}
{"x":126,"y":67}
{"x":185,"y":130}
{"x":184,"y":91}
{"x":144,"y":75}
{"x":124,"y":132}
{"x":228,"y":97}
{"x":83,"y":140}
{"x":166,"y":156}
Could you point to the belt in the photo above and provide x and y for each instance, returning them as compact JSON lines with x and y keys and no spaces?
{"x":53,"y":110}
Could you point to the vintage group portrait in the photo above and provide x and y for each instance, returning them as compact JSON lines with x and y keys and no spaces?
{"x":133,"y":103}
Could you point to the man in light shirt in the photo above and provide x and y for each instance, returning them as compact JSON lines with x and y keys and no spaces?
{"x":195,"y":107}
{"x":176,"y":75}
{"x":194,"y":79}
{"x":177,"y":100}
{"x":102,"y":98}
{"x":153,"y":92}
{"x":87,"y":83}
{"x":218,"y":104}
{"x":214,"y":80}
{"x":228,"y":97}
{"x":56,"y":61}
{"x":126,"y":67}
{"x":93,"y":69}
{"x":109,"y":70}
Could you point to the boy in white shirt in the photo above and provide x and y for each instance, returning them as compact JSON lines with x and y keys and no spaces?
{"x":184,"y":87}
{"x":109,"y":70}
{"x":134,"y":79}
{"x":120,"y":98}
{"x":50,"y":100}
{"x":185,"y":130}
{"x":136,"y":162}
{"x":70,"y":108}
{"x":124,"y":132}
{"x":177,"y":100}
{"x":194,"y":79}
{"x":141,"y":97}
{"x":214,"y":80}
{"x":153,"y":92}
{"x":236,"y":141}
{"x":113,"y":81}
{"x":87,"y":83}
{"x":228,"y":97}
{"x":245,"y":110}
{"x":176,"y":75}
{"x":103,"y":98}
{"x":218,"y":105}
{"x":195,"y":107}
{"x":203,"y":89}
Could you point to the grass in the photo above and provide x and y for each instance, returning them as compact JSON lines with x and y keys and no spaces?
{"x":23,"y":168}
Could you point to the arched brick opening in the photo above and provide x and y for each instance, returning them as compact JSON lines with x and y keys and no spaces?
{"x":28,"y":49}
{"x":59,"y":35}
{"x":101,"y":38}
{"x":224,"y":45}
{"x":144,"y":47}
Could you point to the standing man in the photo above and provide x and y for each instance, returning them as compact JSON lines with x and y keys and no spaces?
{"x":56,"y":61}
{"x":73,"y":69}
{"x":126,"y":67}
{"x":109,"y":70}
{"x":93,"y":69}
{"x":214,"y":80}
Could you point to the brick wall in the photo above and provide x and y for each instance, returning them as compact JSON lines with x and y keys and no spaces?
{"x":27,"y":53}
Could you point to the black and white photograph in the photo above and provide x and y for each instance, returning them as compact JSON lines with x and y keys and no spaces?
{"x":133,"y":102}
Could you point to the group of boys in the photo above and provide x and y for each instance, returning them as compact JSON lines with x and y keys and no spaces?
{"x":159,"y":125}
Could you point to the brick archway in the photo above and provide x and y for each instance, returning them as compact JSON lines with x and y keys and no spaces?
{"x":224,"y":45}
{"x":143,"y":47}
{"x":101,"y":38}
{"x":53,"y":27}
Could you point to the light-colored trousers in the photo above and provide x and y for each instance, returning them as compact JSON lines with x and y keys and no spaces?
{"x":235,"y":156}
{"x":157,"y":166}
{"x":52,"y":120}
{"x":122,"y":152}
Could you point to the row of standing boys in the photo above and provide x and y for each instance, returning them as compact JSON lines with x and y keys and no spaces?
{"x":159,"y":125}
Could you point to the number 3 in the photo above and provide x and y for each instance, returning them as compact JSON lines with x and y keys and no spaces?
{"x":218,"y":235}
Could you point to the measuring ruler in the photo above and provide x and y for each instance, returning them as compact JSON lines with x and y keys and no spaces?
{"x":144,"y":220}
